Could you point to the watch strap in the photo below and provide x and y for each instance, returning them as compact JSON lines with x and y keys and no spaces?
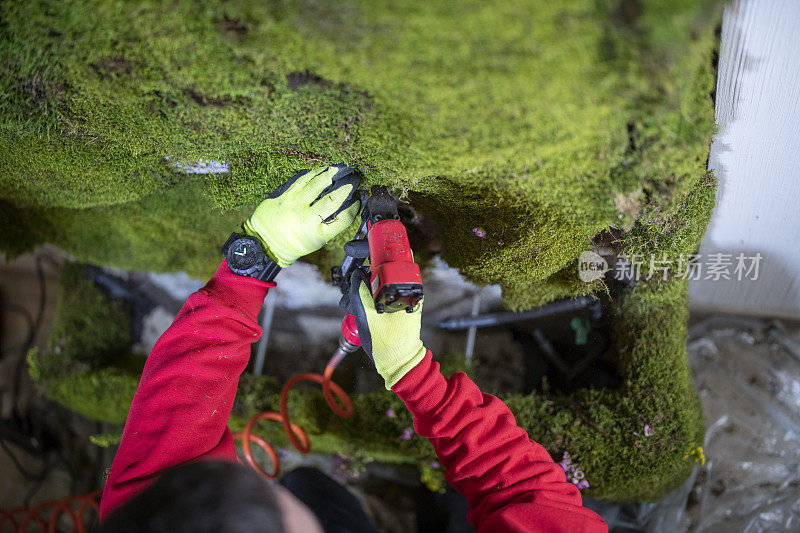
{"x":270,"y":270}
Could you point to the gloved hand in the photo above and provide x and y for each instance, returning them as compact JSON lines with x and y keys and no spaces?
{"x":392,"y":340}
{"x":300,"y":216}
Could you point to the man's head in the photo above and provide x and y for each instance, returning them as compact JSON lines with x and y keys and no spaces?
{"x":215,"y":497}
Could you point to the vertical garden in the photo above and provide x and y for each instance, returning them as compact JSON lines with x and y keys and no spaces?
{"x":553,"y":126}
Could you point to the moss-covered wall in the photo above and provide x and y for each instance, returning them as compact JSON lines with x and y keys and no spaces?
{"x":544,"y":123}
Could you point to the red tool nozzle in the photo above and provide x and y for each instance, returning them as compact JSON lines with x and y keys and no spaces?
{"x":350,"y":330}
{"x":348,"y":342}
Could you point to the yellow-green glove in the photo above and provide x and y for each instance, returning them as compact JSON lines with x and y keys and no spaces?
{"x":392,"y":340}
{"x":300,"y":216}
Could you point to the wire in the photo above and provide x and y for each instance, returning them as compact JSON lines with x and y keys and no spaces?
{"x":297,"y":436}
{"x":36,"y":479}
{"x":27,"y":475}
{"x":36,"y":514}
{"x":24,"y":313}
{"x":35,"y":326}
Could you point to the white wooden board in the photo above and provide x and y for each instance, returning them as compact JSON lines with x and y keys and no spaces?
{"x":756,"y":156}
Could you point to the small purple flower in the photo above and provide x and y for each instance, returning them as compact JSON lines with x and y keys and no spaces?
{"x":565,"y":462}
{"x":435,"y":465}
{"x":407,"y":434}
{"x":282,"y":452}
{"x":648,"y":431}
{"x":390,"y":413}
{"x":480,"y":232}
{"x":573,"y":472}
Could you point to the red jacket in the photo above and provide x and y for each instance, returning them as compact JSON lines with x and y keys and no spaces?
{"x":181,"y":409}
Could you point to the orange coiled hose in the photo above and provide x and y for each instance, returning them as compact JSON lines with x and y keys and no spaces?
{"x":36,"y":513}
{"x":296,"y":435}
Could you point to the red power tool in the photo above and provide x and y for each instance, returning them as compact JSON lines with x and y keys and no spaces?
{"x":395,"y":280}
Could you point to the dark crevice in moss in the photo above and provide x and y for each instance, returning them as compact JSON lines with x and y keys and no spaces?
{"x":234,"y":27}
{"x":298,"y":79}
{"x":113,"y":66}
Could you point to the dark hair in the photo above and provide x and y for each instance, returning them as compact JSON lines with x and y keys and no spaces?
{"x":211,"y":496}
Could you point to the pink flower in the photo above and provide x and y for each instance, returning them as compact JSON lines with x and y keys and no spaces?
{"x":648,"y":431}
{"x":480,"y":232}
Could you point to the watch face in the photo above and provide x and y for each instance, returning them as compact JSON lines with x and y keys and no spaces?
{"x":244,"y":254}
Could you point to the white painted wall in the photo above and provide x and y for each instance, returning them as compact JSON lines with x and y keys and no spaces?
{"x":756,"y":156}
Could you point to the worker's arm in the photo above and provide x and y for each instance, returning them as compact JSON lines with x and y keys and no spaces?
{"x":180,"y":411}
{"x":181,"y":408}
{"x":510,"y":482}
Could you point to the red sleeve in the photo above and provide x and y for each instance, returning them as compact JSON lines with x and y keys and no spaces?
{"x":511,"y":483}
{"x":180,"y":411}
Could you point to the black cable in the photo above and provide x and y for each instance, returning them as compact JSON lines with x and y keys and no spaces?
{"x":61,"y":453}
{"x":37,"y":324}
{"x":38,"y":483}
{"x":11,"y":306}
{"x":36,"y":479}
{"x":22,"y":470}
{"x":34,"y":326}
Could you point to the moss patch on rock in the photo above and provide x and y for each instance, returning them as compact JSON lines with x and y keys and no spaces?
{"x":547,"y":122}
{"x":548,"y":125}
{"x":87,"y":366}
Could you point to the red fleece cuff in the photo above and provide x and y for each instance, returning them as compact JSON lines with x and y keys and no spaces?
{"x":423,"y":388}
{"x":240,"y":292}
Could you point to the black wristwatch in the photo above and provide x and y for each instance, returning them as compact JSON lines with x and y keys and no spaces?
{"x":246,"y":257}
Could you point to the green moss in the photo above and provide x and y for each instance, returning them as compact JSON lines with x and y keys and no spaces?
{"x":103,"y":394}
{"x":546,"y":124}
{"x":603,"y":430}
{"x":87,"y":366}
{"x":90,"y":329}
{"x":679,"y":231}
{"x":104,"y":440}
{"x":138,"y":235}
{"x":533,"y":120}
